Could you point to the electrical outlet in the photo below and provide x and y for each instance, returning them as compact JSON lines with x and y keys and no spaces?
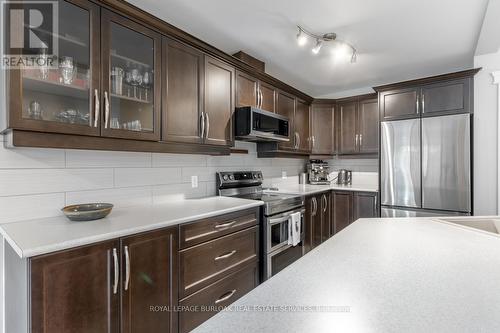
{"x":194,"y":181}
{"x":283,"y":175}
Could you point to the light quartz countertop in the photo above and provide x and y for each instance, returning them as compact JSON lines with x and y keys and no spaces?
{"x":36,"y":237}
{"x":387,"y":275}
{"x":306,"y":189}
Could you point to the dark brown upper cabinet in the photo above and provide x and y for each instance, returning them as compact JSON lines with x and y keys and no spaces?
{"x":301,"y":124}
{"x":323,"y":129}
{"x":399,"y":104}
{"x":76,"y":290}
{"x":348,"y":137}
{"x":253,"y":92}
{"x":285,"y":106}
{"x":438,"y":95}
{"x":182,"y":113}
{"x":368,"y":126}
{"x":247,"y":90}
{"x":218,"y":102}
{"x":358,"y":125}
{"x":131,"y":78}
{"x":65,"y":99}
{"x":268,"y":97}
{"x":446,"y":97}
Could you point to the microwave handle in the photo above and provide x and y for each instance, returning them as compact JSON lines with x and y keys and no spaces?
{"x":284,"y":218}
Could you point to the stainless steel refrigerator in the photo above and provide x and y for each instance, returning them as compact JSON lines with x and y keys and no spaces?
{"x":425,"y":166}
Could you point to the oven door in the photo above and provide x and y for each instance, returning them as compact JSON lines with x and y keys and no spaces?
{"x":277,"y":230}
{"x":278,"y":260}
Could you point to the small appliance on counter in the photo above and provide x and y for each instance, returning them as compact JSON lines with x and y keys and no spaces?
{"x":319,"y":172}
{"x":344,"y":177}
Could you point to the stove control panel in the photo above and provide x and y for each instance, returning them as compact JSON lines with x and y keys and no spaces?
{"x":239,"y":178}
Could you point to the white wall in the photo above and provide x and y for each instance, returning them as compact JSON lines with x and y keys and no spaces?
{"x":485,"y":135}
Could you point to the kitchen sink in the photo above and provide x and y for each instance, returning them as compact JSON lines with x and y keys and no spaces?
{"x":488,"y":224}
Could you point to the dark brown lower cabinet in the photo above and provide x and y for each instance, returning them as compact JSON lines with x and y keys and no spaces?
{"x":318,"y":220}
{"x":148,"y":284}
{"x":72,"y":291}
{"x":94,"y":288}
{"x":365,"y":205}
{"x":207,"y":302}
{"x":342,"y":202}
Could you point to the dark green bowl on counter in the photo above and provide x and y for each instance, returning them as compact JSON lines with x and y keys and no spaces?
{"x":87,"y":212}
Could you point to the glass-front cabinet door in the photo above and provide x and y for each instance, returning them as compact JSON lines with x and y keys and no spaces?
{"x":131,"y":75}
{"x":63,"y":98}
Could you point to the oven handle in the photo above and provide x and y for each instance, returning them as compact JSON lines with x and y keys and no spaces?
{"x":285,"y":217}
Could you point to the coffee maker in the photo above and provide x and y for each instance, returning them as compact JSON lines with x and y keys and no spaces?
{"x":318,"y":172}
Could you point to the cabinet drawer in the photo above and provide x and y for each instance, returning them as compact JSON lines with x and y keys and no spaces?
{"x":216,"y":296}
{"x":204,"y":230}
{"x":205,"y":263}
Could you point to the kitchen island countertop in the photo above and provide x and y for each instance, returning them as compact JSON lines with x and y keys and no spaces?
{"x":379,"y":275}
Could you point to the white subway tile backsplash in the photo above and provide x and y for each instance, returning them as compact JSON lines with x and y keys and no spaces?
{"x":120,"y":197}
{"x":166,"y":193}
{"x":178,"y":160}
{"x":36,"y":181}
{"x":30,"y":158}
{"x":205,"y":174}
{"x":106,"y":159}
{"x":19,"y":208}
{"x":125,"y":177}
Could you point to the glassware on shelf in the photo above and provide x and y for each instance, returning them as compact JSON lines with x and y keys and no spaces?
{"x":136,"y":80}
{"x":117,"y":80}
{"x":134,"y":125}
{"x":67,"y":70}
{"x":72,"y":116}
{"x":115,"y":123}
{"x":128,"y":80}
{"x":147,"y":81}
{"x":35,"y":110}
{"x":44,"y":67}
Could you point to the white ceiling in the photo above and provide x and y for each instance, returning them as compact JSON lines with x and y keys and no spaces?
{"x":396,"y":39}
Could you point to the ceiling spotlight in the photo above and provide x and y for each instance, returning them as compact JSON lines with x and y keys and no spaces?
{"x":301,"y":38}
{"x":316,"y":49}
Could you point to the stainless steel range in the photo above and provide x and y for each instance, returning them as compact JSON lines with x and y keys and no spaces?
{"x":275,"y":252}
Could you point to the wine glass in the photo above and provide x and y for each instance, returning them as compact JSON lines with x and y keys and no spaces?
{"x":67,"y":69}
{"x":147,"y":81}
{"x":128,"y":80}
{"x":136,"y":80}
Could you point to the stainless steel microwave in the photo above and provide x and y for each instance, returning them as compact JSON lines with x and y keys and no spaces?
{"x":252,"y":124}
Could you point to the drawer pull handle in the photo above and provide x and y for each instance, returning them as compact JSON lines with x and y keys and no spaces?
{"x":225,"y":225}
{"x":225,"y":297}
{"x":225,"y":256}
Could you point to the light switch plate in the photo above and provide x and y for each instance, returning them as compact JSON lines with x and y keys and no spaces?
{"x":283,"y":175}
{"x":194,"y":181}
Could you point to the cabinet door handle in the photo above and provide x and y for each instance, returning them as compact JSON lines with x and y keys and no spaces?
{"x":97,"y":106}
{"x":360,"y":140}
{"x":356,"y":141}
{"x":225,"y":225}
{"x":225,"y":297}
{"x":261,"y":98}
{"x":202,"y":120}
{"x":315,"y":206}
{"x":207,"y":117}
{"x":116,"y":271}
{"x":423,"y":103}
{"x":258,"y":98}
{"x":313,"y":141}
{"x":298,"y":144}
{"x":106,"y":109}
{"x":127,"y":268}
{"x":225,"y":256}
{"x":418,"y":104}
{"x":326,"y":203}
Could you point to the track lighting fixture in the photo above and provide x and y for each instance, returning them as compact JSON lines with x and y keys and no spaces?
{"x":343,"y":49}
